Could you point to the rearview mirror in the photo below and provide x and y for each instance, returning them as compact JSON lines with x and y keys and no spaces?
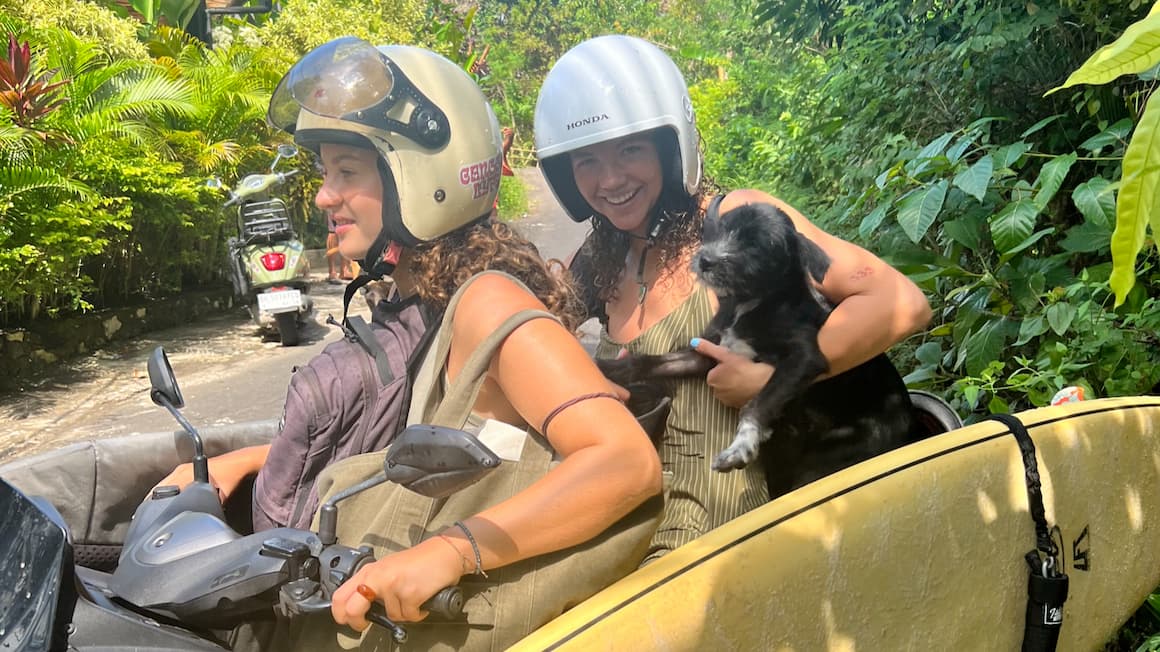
{"x":436,"y":462}
{"x":213,"y":182}
{"x":164,"y":384}
{"x":286,"y":150}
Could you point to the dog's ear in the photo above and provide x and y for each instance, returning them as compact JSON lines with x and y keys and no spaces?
{"x":816,"y":262}
{"x":712,"y":222}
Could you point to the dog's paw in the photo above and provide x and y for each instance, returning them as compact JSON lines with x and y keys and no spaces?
{"x":742,"y":451}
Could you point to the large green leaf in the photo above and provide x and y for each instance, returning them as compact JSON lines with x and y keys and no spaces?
{"x":965,"y":231}
{"x":1013,"y":224}
{"x":1096,"y":201}
{"x":974,"y":179}
{"x":1135,"y":206}
{"x":1117,"y":133}
{"x":1031,"y":328}
{"x":1051,"y":178}
{"x":933,"y":149}
{"x":985,"y":345}
{"x":929,"y":353}
{"x":1059,"y":316}
{"x":1137,"y":50}
{"x":871,"y":222}
{"x":1007,"y":155}
{"x":1086,"y":237}
{"x":918,"y":210}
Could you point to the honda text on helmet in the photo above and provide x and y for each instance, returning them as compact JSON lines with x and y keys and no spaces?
{"x":606,"y":88}
{"x":420,"y":112}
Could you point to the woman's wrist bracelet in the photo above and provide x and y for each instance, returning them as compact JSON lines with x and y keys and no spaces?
{"x":474,"y":548}
{"x":464,"y":561}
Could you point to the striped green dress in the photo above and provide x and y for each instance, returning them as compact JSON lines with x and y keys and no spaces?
{"x":697,"y":499}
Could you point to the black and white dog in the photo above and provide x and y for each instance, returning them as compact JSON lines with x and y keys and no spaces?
{"x":764,"y":273}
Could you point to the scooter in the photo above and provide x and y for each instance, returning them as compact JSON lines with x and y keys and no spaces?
{"x":268,"y":265}
{"x":185,"y":578}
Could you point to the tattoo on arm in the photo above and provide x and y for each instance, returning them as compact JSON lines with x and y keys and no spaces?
{"x":861,"y":273}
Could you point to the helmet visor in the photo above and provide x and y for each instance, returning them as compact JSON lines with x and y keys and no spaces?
{"x":334,"y":80}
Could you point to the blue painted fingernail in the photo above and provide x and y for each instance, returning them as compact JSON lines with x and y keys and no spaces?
{"x":695,"y":342}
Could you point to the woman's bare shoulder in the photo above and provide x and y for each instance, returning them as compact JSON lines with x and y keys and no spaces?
{"x":488,"y":301}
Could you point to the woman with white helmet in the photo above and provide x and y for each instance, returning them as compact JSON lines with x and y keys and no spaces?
{"x":410,"y":152}
{"x":617,"y":143}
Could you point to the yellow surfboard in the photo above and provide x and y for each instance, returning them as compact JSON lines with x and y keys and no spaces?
{"x":919,"y":549}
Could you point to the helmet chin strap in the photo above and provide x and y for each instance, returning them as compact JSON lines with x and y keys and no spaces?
{"x":657,"y":223}
{"x":381,"y":258}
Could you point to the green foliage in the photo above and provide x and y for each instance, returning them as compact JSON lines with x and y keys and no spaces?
{"x":1135,"y":52}
{"x":513,"y":199}
{"x":305,"y":24}
{"x":115,"y":36}
{"x":1012,"y":244}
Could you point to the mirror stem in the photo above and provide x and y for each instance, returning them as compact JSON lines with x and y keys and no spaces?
{"x":200,"y":463}
{"x":328,"y":514}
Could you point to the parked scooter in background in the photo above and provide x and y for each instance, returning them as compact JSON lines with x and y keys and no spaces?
{"x":268,"y":265}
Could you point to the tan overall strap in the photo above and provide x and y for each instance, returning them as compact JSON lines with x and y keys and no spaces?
{"x":429,"y":404}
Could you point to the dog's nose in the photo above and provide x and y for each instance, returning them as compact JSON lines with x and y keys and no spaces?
{"x":705,"y":264}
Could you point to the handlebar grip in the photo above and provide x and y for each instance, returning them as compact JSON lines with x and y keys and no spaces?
{"x":446,"y":604}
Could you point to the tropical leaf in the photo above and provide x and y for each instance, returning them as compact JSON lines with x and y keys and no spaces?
{"x":1007,"y":155}
{"x":1040,"y":125}
{"x":1086,"y":237}
{"x":1137,"y":50}
{"x":1027,"y":242}
{"x":934,"y":148}
{"x":17,"y":181}
{"x":1013,"y":224}
{"x":1113,"y":135}
{"x":1059,"y":317}
{"x":1051,"y":178}
{"x":1096,"y":201}
{"x":975,"y":179}
{"x":965,"y":231}
{"x":956,"y":151}
{"x":1135,"y":206}
{"x":985,"y":345}
{"x":918,"y":209}
{"x":872,"y":221}
{"x":1031,"y":328}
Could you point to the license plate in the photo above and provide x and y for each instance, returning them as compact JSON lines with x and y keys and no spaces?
{"x":280,"y":301}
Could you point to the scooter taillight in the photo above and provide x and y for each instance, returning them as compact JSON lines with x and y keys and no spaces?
{"x":273,"y":261}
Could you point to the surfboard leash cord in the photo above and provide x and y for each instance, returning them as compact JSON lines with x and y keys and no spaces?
{"x":1047,"y":583}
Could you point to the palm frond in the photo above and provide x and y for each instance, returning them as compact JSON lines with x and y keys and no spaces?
{"x":19,"y":180}
{"x":215,"y":154}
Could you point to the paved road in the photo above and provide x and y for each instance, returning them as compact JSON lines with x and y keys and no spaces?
{"x":227,"y":373}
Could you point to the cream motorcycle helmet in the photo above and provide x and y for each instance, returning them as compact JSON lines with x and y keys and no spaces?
{"x":605,"y":88}
{"x":438,"y":140}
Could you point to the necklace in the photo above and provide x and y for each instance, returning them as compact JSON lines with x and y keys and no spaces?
{"x":640,"y":276}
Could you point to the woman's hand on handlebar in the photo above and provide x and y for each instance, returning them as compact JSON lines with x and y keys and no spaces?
{"x":402,"y":582}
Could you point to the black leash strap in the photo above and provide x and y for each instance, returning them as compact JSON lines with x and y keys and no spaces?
{"x":1047,"y":583}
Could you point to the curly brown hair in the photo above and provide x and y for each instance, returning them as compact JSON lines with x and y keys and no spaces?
{"x":440,"y":267}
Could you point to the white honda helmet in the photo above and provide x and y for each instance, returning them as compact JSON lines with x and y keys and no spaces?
{"x":605,"y":88}
{"x":430,"y":123}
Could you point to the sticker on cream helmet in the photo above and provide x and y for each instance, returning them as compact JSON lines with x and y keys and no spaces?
{"x":482,"y":177}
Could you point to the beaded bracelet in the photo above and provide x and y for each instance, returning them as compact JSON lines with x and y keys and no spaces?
{"x":474,"y":548}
